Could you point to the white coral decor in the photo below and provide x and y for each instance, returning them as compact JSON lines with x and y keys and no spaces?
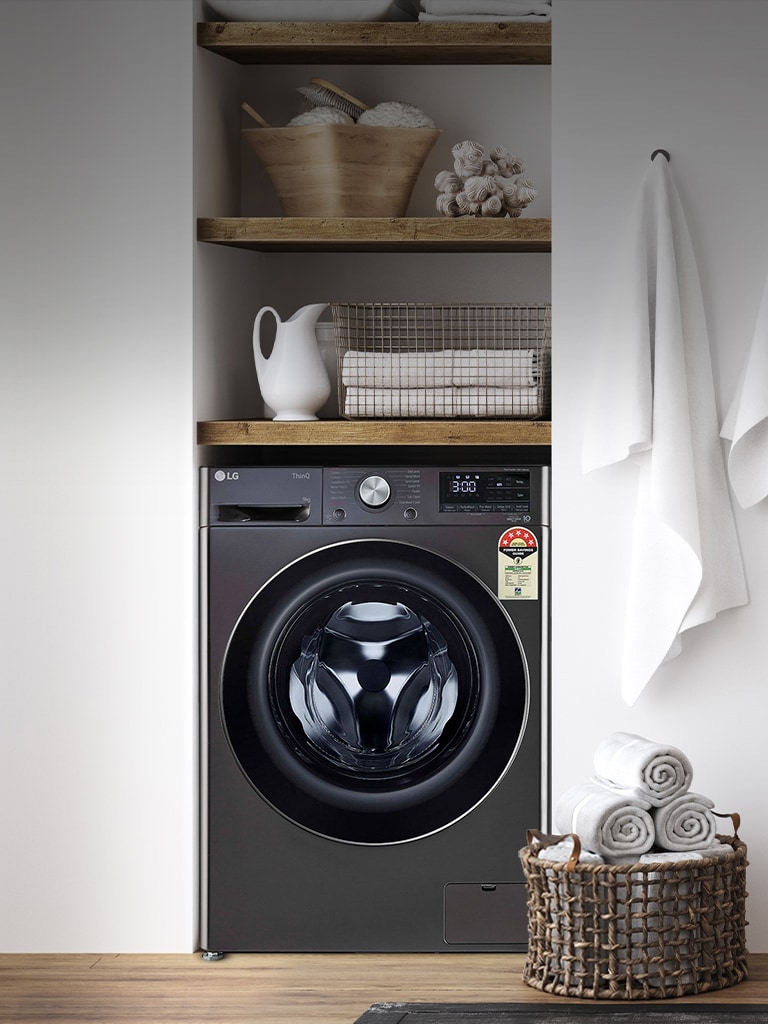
{"x":483,"y":186}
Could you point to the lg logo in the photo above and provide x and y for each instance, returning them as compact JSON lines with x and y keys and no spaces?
{"x":221,"y":475}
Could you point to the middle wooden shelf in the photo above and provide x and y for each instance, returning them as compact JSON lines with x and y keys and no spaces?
{"x":375,"y":432}
{"x":379,"y":234}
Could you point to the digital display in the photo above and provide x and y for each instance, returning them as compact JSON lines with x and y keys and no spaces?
{"x":487,"y":491}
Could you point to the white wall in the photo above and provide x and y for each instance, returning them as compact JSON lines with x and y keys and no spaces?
{"x":629,"y":78}
{"x":97,"y":632}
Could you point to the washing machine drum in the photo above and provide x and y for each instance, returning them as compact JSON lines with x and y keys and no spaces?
{"x":374,"y":692}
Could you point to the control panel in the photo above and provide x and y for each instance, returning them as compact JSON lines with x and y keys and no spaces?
{"x":479,"y":490}
{"x":403,"y":495}
{"x":375,"y":496}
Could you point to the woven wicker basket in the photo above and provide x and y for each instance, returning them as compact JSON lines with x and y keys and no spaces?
{"x":337,"y":170}
{"x":635,"y":931}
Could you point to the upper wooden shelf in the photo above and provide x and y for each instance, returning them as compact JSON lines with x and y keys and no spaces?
{"x":379,"y":234}
{"x":375,"y":432}
{"x":397,"y":42}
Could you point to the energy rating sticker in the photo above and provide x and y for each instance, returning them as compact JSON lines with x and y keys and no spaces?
{"x":518,"y":565}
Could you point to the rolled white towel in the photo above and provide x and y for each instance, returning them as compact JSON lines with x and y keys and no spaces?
{"x":606,"y":821}
{"x":685,"y":823}
{"x":655,"y":771}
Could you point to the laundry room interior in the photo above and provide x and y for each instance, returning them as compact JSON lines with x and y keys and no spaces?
{"x":128,"y":342}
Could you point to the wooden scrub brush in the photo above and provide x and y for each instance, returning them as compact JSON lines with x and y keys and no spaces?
{"x":255,"y":115}
{"x":320,"y":93}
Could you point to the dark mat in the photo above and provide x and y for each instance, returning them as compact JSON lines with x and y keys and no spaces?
{"x":571,"y":1013}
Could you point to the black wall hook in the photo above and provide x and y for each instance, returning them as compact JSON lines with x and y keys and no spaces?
{"x":663,"y":152}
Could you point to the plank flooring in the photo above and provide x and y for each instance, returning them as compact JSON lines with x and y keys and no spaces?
{"x":270,"y":988}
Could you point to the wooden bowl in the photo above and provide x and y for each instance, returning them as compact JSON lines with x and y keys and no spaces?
{"x":338,"y":170}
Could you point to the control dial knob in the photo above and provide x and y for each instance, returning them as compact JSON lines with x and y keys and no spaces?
{"x":374,"y":491}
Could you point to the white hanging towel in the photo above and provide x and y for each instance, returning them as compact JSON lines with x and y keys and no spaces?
{"x":746,"y":423}
{"x":654,"y":401}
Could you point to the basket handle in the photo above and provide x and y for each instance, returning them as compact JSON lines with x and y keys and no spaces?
{"x":735,"y":820}
{"x":541,"y":839}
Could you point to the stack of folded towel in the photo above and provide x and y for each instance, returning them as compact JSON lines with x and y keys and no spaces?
{"x":485,"y":10}
{"x":639,"y":800}
{"x":462,"y":383}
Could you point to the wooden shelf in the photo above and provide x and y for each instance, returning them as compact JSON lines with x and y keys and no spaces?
{"x":378,"y":42}
{"x":375,"y":432}
{"x":379,"y":234}
{"x":391,"y":43}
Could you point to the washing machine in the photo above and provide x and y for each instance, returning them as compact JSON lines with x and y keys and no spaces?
{"x":374,"y":677}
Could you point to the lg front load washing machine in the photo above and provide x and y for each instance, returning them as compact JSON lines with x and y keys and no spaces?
{"x":374,"y":705}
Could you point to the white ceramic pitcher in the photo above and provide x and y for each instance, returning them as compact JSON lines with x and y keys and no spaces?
{"x":293,"y":380}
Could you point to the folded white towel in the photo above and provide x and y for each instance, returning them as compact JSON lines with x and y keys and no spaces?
{"x":397,"y":369}
{"x":508,"y":7}
{"x":566,"y":930}
{"x":399,"y":402}
{"x":561,"y":852}
{"x":497,"y":367}
{"x":666,"y":922}
{"x":718,"y":850}
{"x":686,"y":823}
{"x":606,"y":822}
{"x":746,"y":423}
{"x":484,"y":17}
{"x":675,"y":856}
{"x":671,"y":919}
{"x":654,"y":396}
{"x":442,"y":402}
{"x":658,"y":772}
{"x":493,"y":402}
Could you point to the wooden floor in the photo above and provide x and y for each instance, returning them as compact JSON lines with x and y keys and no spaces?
{"x":271,"y":988}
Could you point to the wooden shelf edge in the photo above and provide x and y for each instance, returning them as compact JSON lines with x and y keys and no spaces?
{"x":387,"y":234}
{"x":375,"y":432}
{"x":378,"y":42}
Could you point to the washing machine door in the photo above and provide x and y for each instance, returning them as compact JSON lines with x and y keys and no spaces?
{"x":374,"y":692}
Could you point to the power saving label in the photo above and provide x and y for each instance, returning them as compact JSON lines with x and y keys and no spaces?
{"x":518,"y":565}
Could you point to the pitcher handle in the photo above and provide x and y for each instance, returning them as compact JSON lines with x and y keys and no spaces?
{"x":258,"y":355}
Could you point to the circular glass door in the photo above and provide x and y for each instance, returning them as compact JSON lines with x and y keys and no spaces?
{"x":374,"y":691}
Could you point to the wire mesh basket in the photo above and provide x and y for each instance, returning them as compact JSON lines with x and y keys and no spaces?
{"x":462,"y":361}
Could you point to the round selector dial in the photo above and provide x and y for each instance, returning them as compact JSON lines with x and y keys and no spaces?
{"x":374,"y":491}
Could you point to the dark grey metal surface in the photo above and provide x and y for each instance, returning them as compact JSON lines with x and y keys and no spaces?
{"x":271,"y":884}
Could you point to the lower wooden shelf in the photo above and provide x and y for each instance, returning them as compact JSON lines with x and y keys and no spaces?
{"x":375,"y":432}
